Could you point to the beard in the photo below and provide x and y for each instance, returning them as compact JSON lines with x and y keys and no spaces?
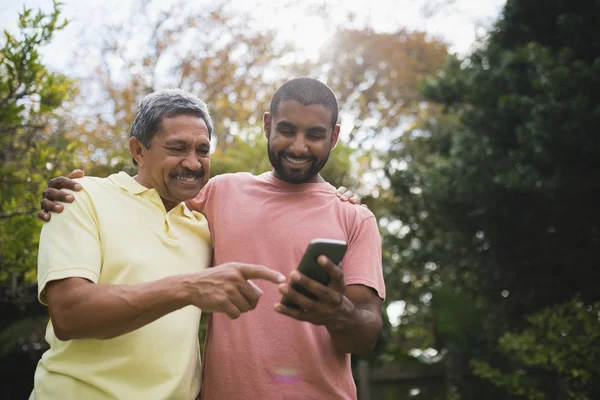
{"x":295,"y":176}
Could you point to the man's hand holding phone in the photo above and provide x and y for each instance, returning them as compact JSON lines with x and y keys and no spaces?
{"x":330,"y":304}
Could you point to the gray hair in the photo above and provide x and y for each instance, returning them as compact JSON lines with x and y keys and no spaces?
{"x":166,"y":103}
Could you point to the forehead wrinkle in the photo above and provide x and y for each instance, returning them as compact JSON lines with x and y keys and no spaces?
{"x":175,"y":141}
{"x":170,"y":141}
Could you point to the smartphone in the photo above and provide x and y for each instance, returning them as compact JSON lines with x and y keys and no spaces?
{"x":332,"y":249}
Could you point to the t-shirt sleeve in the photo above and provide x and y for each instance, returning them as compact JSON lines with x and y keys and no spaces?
{"x":199,"y":203}
{"x":70,"y":245}
{"x":362,"y":263}
{"x":206,"y":203}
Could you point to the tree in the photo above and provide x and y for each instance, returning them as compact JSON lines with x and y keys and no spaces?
{"x":497,"y":193}
{"x":33,"y":148}
{"x":528,"y":108}
{"x":561,"y":345}
{"x":375,"y":77}
{"x":211,"y":52}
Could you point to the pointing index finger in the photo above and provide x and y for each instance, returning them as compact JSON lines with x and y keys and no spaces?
{"x":254,"y":271}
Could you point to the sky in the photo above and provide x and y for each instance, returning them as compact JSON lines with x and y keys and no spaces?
{"x":458,"y":24}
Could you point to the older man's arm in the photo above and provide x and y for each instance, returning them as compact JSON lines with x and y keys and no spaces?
{"x":80,"y":309}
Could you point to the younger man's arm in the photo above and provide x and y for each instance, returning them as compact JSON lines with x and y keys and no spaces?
{"x":351,"y":314}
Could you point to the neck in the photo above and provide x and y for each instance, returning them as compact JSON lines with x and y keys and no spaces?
{"x":142,"y":181}
{"x":169,"y":205}
{"x":315,"y":179}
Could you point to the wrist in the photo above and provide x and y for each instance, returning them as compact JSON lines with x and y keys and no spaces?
{"x":344,"y":317}
{"x":182,"y":290}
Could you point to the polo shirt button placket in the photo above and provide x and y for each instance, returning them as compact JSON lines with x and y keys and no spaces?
{"x":171,"y":237}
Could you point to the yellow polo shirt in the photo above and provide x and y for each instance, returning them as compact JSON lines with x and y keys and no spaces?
{"x":118,"y":232}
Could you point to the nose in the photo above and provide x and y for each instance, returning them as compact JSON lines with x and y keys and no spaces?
{"x":191,"y":161}
{"x":298,"y":146}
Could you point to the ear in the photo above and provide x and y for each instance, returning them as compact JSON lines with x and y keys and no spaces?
{"x":335,"y":135}
{"x":137,"y":151}
{"x":267,"y":123}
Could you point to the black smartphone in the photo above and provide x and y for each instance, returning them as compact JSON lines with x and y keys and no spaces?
{"x":332,"y":249}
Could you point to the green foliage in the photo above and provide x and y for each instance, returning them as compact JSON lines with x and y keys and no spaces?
{"x":496,"y":189}
{"x":457,"y":319}
{"x":33,"y":148}
{"x":34,"y":328}
{"x":529,"y":116}
{"x":338,"y":171}
{"x":561,"y":345}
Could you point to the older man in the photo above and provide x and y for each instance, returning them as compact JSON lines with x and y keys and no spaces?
{"x":123,"y":270}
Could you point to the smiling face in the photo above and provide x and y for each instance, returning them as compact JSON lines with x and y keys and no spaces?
{"x":177,"y":163}
{"x":300,"y":139}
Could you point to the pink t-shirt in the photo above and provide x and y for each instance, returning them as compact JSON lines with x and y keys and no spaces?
{"x":263,"y":220}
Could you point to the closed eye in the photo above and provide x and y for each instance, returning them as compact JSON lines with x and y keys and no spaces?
{"x":316,"y":133}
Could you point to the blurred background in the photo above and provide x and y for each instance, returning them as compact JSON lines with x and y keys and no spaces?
{"x":470,"y":128}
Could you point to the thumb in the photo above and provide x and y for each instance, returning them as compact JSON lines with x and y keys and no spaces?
{"x":255,"y":271}
{"x":256,"y":288}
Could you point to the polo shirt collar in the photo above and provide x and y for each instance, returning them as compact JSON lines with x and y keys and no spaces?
{"x":129,"y":184}
{"x":126,"y":182}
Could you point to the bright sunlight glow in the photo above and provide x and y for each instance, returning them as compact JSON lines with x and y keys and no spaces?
{"x":395,"y":311}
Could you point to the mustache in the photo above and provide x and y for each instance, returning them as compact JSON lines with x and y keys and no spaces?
{"x":187,"y":173}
